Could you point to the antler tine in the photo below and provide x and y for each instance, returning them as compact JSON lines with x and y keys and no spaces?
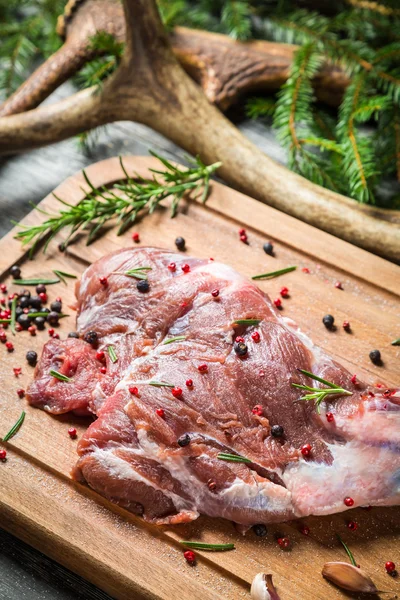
{"x":49,"y":76}
{"x":53,"y":123}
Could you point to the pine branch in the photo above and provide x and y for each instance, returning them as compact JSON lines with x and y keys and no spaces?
{"x":359,"y":158}
{"x":98,"y":69}
{"x":236,"y":19}
{"x":293,"y":120}
{"x":257,"y":108}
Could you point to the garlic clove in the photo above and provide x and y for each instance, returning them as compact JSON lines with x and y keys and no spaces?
{"x":348,"y":577}
{"x":262,"y":588}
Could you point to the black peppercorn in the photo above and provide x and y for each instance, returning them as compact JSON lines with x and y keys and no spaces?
{"x":56,"y":306}
{"x":240,"y":348}
{"x":277,"y":431}
{"x":184,"y":440}
{"x":375,"y":357}
{"x":35,"y":302}
{"x":26,"y":293}
{"x":31,"y":358}
{"x":143,"y":286}
{"x":53,"y":317}
{"x":24,"y":321}
{"x":73,"y":334}
{"x":260,"y":530}
{"x":15,"y":272}
{"x":268,"y":248}
{"x":41,"y":288}
{"x":180,"y":243}
{"x":392,"y":573}
{"x":18,"y":311}
{"x":328,"y":321}
{"x":45,"y":310}
{"x":39,"y":322}
{"x":24,"y":301}
{"x":91,"y":337}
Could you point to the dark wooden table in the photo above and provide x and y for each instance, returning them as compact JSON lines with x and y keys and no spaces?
{"x":26,"y":179}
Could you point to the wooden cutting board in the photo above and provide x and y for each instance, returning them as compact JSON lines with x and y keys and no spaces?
{"x":120,"y":553}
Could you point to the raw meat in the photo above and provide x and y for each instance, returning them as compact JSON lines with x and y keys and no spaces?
{"x":166,"y":467}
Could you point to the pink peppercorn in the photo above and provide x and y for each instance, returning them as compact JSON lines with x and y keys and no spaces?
{"x":190,"y":557}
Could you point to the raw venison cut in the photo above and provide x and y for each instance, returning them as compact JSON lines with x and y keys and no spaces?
{"x":165,"y":411}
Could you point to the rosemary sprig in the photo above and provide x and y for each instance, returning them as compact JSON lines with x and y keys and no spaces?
{"x":319,"y":394}
{"x":112,"y":354}
{"x":60,"y":376}
{"x":15,"y":427}
{"x":233,"y":457}
{"x":138,"y":273}
{"x":161,"y":384}
{"x":134,"y":195}
{"x":204,"y":546}
{"x":247,"y":321}
{"x":178,"y":338}
{"x":316,"y":378}
{"x":274,"y":273}
{"x":13,"y":314}
{"x":348,"y":551}
{"x":35,"y":281}
{"x":5,"y":321}
{"x":396,"y":342}
{"x":62,"y":275}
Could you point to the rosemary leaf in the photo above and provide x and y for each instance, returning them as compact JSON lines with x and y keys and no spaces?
{"x":233,"y":457}
{"x":138,"y":273}
{"x":13,"y":315}
{"x":396,"y":342}
{"x":62,"y":275}
{"x":178,"y":338}
{"x":247,"y":321}
{"x":60,"y":376}
{"x":204,"y":546}
{"x":14,"y":428}
{"x":112,"y":354}
{"x":274,"y":273}
{"x":348,"y":551}
{"x":161,"y":384}
{"x":35,"y":281}
{"x":5,"y":321}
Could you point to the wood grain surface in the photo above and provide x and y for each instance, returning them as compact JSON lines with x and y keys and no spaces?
{"x":117,"y":551}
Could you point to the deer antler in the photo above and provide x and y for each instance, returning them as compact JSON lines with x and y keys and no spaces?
{"x":225,"y":68}
{"x":150,"y":87}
